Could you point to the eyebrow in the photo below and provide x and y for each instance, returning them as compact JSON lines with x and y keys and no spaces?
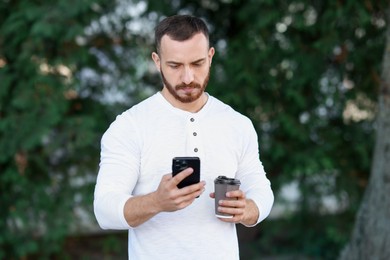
{"x":179,"y":63}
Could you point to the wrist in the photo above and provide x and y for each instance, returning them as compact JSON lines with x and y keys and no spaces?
{"x":155,"y":205}
{"x":251,"y":214}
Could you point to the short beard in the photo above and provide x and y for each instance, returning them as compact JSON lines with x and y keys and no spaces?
{"x":187,"y":98}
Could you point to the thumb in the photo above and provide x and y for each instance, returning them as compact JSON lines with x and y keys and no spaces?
{"x":181,"y":176}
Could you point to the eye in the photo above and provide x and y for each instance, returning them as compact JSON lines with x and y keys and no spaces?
{"x":174,"y":66}
{"x":198,"y":64}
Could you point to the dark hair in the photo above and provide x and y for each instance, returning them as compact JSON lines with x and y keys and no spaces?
{"x":179,"y":28}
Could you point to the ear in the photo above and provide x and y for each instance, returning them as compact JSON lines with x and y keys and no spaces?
{"x":156,"y":60}
{"x":211,"y":54}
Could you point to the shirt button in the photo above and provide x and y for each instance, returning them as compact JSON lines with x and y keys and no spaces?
{"x":195,"y":134}
{"x":196,"y":150}
{"x":192,"y":119}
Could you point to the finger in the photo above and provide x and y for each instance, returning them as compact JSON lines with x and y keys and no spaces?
{"x":166,"y":177}
{"x":185,"y":200}
{"x":181,"y":176}
{"x":237,"y":213}
{"x":235,"y":194}
{"x":192,"y":196}
{"x":232,"y":203}
{"x":193,"y":188}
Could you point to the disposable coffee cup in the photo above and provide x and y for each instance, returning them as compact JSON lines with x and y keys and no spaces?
{"x":222,"y":185}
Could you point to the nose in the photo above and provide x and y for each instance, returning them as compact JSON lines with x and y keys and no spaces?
{"x":187,"y":76}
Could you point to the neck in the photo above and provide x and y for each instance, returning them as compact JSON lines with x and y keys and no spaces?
{"x":192,"y":107}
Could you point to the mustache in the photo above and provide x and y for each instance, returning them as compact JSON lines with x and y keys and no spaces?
{"x":191,"y":85}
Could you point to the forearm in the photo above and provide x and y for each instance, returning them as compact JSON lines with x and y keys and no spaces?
{"x":140,"y":209}
{"x":251,"y":214}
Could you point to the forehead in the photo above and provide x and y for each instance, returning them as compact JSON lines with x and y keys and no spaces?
{"x":194,"y":48}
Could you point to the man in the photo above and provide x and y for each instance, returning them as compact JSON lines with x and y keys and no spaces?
{"x":135,"y":189}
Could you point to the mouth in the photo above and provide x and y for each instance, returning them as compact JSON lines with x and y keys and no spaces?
{"x":188,"y":89}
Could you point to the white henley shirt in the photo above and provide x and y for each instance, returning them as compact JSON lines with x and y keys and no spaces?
{"x":137,"y":149}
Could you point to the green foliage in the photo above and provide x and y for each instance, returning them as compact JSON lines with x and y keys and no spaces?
{"x":304,"y":236}
{"x":49,"y":134}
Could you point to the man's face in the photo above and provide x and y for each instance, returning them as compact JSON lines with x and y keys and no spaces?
{"x":186,"y":93}
{"x":184,"y":67}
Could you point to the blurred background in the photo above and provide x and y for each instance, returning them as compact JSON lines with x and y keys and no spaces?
{"x":307,"y":73}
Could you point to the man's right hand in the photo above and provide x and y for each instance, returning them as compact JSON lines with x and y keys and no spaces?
{"x":170,"y":198}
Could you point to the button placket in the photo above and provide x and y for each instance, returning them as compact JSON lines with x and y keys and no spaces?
{"x":193,"y":138}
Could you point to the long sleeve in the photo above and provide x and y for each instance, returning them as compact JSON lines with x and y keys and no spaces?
{"x":118,"y":173}
{"x":252,"y":174}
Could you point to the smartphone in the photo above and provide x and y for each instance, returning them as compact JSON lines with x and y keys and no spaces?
{"x":181,"y":163}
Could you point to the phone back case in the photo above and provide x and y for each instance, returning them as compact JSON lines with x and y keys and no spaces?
{"x":181,"y":163}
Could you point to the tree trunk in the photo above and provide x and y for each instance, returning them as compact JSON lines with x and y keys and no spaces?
{"x":371,"y":235}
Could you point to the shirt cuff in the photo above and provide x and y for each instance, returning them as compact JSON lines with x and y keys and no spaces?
{"x":121,"y":212}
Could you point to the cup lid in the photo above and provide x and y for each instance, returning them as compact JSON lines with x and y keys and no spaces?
{"x":225,"y":180}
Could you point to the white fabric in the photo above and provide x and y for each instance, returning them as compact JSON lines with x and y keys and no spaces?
{"x":137,"y":150}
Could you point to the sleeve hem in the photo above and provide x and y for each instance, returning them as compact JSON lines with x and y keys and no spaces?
{"x":121,"y":212}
